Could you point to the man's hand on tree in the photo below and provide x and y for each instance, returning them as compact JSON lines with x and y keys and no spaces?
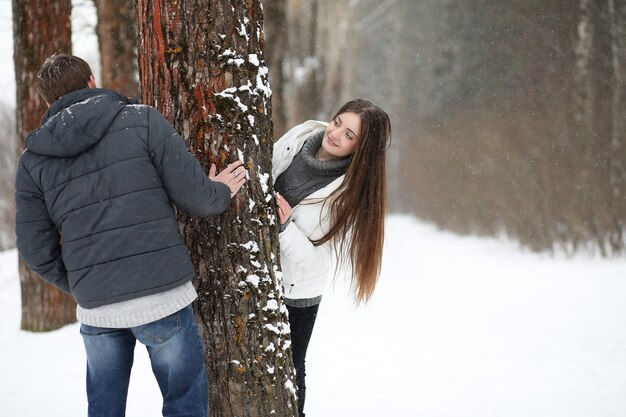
{"x":234,"y":176}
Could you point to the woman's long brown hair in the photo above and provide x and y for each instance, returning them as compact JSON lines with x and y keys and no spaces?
{"x":359,"y":205}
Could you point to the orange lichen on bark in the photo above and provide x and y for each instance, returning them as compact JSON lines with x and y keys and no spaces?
{"x":199,"y":138}
{"x":239,"y":324}
{"x":174,"y":50}
{"x":223,"y":156}
{"x":250,"y":8}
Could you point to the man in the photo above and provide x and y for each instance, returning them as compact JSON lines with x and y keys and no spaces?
{"x":94,"y":194}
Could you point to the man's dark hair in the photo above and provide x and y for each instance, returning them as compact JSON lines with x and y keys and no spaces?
{"x":61,"y":74}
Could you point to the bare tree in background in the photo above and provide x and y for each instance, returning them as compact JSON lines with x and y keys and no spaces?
{"x":334,"y":45}
{"x":318,"y":58}
{"x":617,"y":25}
{"x":40,"y":28}
{"x":303,"y":87}
{"x":275,"y":23}
{"x":600,"y":106}
{"x":201,"y":64}
{"x":116,"y":31}
{"x":8,"y":144}
{"x":310,"y":43}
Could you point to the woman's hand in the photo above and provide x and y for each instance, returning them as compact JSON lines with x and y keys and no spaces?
{"x":284,"y":209}
{"x":234,"y":176}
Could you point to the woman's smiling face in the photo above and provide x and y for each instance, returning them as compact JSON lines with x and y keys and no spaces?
{"x":341,"y":136}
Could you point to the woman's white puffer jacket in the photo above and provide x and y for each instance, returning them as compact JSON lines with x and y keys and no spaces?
{"x":306,"y":268}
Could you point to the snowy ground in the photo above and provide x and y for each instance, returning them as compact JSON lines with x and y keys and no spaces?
{"x":459,"y":327}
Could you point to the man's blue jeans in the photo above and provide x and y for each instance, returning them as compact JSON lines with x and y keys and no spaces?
{"x":177,"y":359}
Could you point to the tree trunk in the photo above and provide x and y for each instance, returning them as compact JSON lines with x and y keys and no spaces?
{"x":617,"y":17}
{"x":602,"y":78}
{"x":275,"y":45}
{"x":40,"y":28}
{"x":201,"y":64}
{"x":333,"y":46}
{"x":117,"y":40}
{"x":593,"y":114}
{"x":8,"y":164}
{"x":304,"y":67}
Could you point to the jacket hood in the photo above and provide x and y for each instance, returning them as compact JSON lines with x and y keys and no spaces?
{"x":76,"y":122}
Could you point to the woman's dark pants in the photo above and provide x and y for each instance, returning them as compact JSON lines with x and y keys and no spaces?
{"x":301,"y":321}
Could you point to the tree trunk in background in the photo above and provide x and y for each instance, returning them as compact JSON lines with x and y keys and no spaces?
{"x":40,"y":28}
{"x":275,"y":23}
{"x":401,"y":68}
{"x":595,"y":106}
{"x":117,"y":40}
{"x":603,"y":78}
{"x":333,"y":42}
{"x":617,"y":184}
{"x":201,"y":64}
{"x":319,"y":58}
{"x":8,"y":164}
{"x":304,"y":66}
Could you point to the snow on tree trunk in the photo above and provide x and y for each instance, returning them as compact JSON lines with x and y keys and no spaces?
{"x":40,"y":28}
{"x":201,"y":64}
{"x":117,"y":41}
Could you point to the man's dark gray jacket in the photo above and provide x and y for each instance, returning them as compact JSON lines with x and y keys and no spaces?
{"x":94,"y":193}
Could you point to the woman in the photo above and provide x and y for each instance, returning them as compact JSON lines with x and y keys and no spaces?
{"x":333,"y":175}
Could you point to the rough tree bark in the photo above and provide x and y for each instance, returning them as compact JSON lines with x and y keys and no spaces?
{"x":117,"y":41}
{"x":201,"y":64}
{"x":40,"y":28}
